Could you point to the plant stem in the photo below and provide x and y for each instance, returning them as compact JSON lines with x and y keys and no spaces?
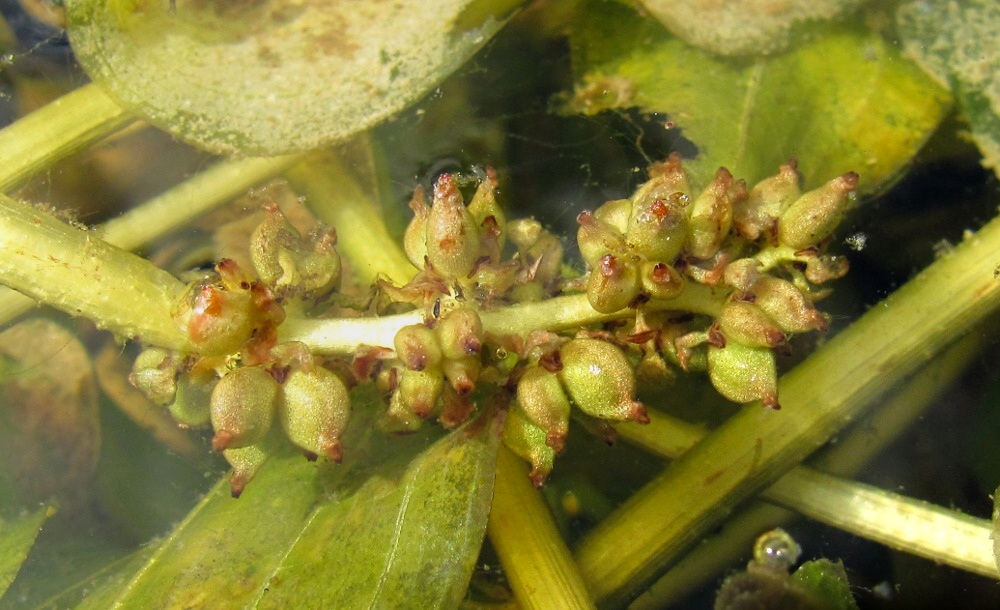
{"x":539,"y":566}
{"x":345,"y":335}
{"x":73,"y":270}
{"x":65,"y":126}
{"x":169,"y":211}
{"x":933,"y":532}
{"x":571,"y":311}
{"x":819,"y":397}
{"x":721,"y":550}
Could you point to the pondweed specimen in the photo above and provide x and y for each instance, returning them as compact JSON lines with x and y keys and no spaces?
{"x":716,"y":280}
{"x":281,"y":350}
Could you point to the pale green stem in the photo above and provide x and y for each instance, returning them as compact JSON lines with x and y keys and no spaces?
{"x":536,"y":560}
{"x":771,"y":256}
{"x":827,"y":391}
{"x":75,"y":271}
{"x":61,"y":128}
{"x":173,"y":209}
{"x":345,"y":335}
{"x":940,"y":534}
{"x":572,"y":311}
{"x":334,"y":195}
{"x":846,"y":457}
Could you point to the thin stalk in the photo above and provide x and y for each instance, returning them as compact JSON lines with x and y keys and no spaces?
{"x":345,"y":335}
{"x":846,"y":457}
{"x":61,"y":128}
{"x":536,"y":560}
{"x":75,"y":271}
{"x":172,"y":210}
{"x":826,"y":392}
{"x":571,"y":311}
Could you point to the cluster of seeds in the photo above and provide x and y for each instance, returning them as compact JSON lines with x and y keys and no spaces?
{"x":717,"y":280}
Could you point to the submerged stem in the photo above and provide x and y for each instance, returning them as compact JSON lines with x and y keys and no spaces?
{"x":61,"y":128}
{"x":75,"y":271}
{"x":846,"y":457}
{"x":819,"y":397}
{"x":535,"y":558}
{"x":167,"y":212}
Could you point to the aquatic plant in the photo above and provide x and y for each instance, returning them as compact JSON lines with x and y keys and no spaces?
{"x":319,"y":324}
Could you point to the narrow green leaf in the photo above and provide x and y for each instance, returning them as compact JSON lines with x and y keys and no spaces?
{"x":225,"y":548}
{"x":841,"y":102}
{"x":956,"y":42}
{"x":17,"y":536}
{"x":401,"y":519}
{"x":406,"y":538}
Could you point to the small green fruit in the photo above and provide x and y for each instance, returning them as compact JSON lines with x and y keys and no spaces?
{"x":314,"y":409}
{"x":711,"y":215}
{"x":787,"y":306}
{"x":814,"y":215}
{"x":744,"y":374}
{"x":417,"y":346}
{"x":154,"y":373}
{"x":541,"y":398}
{"x":460,"y":333}
{"x":484,"y":205}
{"x":192,"y":406}
{"x":246,"y":461}
{"x":613,"y":285}
{"x":767,"y":201}
{"x":657,"y":227}
{"x":420,"y":390}
{"x":415,"y":237}
{"x":597,"y":238}
{"x":746,"y":323}
{"x":242,"y":407}
{"x":453,"y":240}
{"x":528,"y":441}
{"x":600,"y":380}
{"x":615,"y":213}
{"x":661,"y":281}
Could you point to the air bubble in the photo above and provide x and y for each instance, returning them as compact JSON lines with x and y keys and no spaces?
{"x":776,"y":549}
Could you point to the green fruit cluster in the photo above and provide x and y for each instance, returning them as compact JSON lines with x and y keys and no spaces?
{"x":436,"y":370}
{"x":716,"y":279}
{"x":592,"y":374}
{"x":760,"y":248}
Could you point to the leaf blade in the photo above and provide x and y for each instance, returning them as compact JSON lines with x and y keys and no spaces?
{"x":17,"y":536}
{"x":841,"y":101}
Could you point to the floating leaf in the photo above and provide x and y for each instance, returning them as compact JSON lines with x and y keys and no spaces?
{"x":17,"y":536}
{"x":401,"y":520}
{"x":956,"y":42}
{"x":845,"y":101}
{"x":274,"y":76}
